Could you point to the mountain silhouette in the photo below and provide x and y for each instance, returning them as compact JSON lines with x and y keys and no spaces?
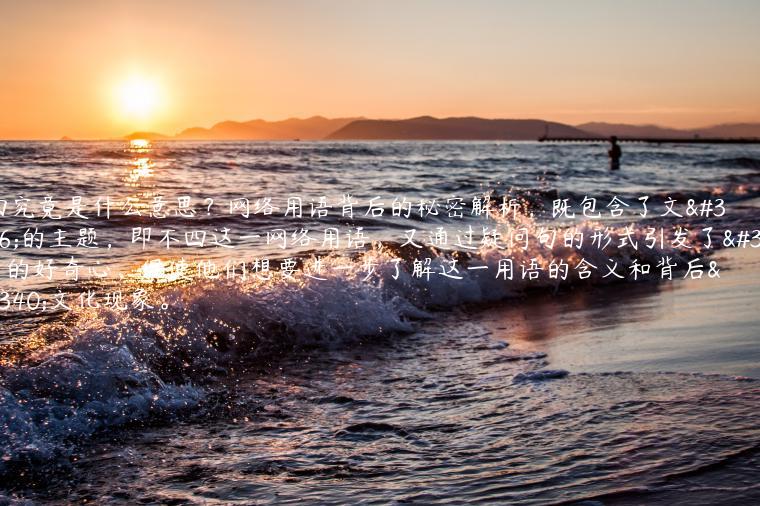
{"x":151,"y":136}
{"x":622,"y":130}
{"x":469,"y":128}
{"x":741,"y":130}
{"x":728,"y":130}
{"x":430,"y":128}
{"x":314,"y":128}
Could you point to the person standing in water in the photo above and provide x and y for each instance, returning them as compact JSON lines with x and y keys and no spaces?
{"x":614,"y":153}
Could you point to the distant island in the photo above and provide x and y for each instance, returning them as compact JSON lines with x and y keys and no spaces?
{"x":314,"y":128}
{"x":465,"y":129}
{"x":430,"y":128}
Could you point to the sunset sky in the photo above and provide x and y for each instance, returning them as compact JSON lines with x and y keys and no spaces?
{"x":103,"y":69}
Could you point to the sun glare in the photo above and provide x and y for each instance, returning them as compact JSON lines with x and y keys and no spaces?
{"x":162,"y":271}
{"x":139,"y":144}
{"x":138,"y":97}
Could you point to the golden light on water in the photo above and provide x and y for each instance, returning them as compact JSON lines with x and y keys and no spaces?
{"x":161,"y":271}
{"x":141,"y":165}
{"x":139,"y":144}
{"x":142,"y":168}
{"x":153,"y":269}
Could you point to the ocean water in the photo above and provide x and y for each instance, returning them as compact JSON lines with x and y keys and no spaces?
{"x":391,"y":389}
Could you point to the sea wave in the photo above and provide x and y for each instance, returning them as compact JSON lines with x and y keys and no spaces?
{"x":13,"y":152}
{"x":743,"y":162}
{"x":103,"y":368}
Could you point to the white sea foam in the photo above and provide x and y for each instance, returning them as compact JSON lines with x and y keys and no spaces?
{"x":113,"y":369}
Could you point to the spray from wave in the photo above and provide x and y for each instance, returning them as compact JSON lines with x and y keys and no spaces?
{"x":101,"y":368}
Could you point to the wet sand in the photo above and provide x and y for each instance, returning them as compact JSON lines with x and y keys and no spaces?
{"x":705,"y":326}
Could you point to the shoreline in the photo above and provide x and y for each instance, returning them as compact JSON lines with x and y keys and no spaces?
{"x":699,"y":326}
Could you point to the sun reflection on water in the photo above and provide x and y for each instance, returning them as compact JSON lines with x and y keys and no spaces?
{"x":162,"y":271}
{"x":141,"y":165}
{"x":142,"y":168}
{"x":138,"y":144}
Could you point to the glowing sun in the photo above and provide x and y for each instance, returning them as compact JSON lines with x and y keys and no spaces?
{"x":138,"y":97}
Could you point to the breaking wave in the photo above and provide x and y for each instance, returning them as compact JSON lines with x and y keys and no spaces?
{"x":101,"y":368}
